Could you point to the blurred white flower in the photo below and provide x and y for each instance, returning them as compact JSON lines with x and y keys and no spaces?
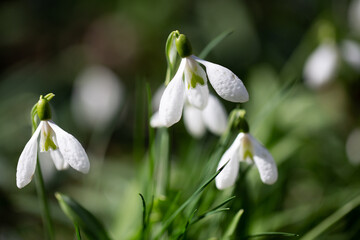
{"x":350,"y":51}
{"x":321,"y":66}
{"x":212,"y":117}
{"x":353,"y":147}
{"x":195,"y":90}
{"x":354,"y":16}
{"x":55,"y":144}
{"x":96,"y":97}
{"x":246,"y":148}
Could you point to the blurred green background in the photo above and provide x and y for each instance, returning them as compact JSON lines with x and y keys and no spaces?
{"x":46,"y":45}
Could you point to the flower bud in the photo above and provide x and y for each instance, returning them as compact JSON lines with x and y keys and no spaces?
{"x":238,"y":121}
{"x":43,"y":109}
{"x":183,"y":46}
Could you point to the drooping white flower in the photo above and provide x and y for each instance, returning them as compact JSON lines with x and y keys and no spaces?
{"x":246,"y":148}
{"x":212,"y":117}
{"x":97,"y":96}
{"x":190,"y":84}
{"x":55,"y":144}
{"x":321,"y":66}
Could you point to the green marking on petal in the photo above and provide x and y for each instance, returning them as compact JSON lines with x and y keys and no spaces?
{"x":249,"y":154}
{"x":196,"y":79}
{"x":49,"y":143}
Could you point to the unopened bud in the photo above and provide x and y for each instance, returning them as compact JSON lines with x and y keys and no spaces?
{"x":43,"y":109}
{"x":183,"y":46}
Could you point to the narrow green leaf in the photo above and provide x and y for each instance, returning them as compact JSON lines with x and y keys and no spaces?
{"x":214,"y":210}
{"x":211,"y":45}
{"x":140,"y":120}
{"x":333,"y":218}
{"x":151,"y":134}
{"x":82,"y":218}
{"x":183,"y":234}
{"x":273,"y":234}
{"x":162,"y":163}
{"x":231,"y":229}
{"x":144,"y":214}
{"x":186,"y":203}
{"x":77,"y":232}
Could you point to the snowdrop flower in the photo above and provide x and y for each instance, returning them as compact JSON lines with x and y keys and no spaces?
{"x":190,"y":84}
{"x":321,"y":66}
{"x":97,"y":97}
{"x":55,"y":144}
{"x":212,"y":117}
{"x":245,"y":148}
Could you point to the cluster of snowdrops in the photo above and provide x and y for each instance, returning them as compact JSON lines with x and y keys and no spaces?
{"x":186,"y":92}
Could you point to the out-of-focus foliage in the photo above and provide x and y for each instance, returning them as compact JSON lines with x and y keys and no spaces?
{"x":46,"y":45}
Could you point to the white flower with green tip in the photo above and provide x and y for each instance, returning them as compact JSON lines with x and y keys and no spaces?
{"x":190,"y":83}
{"x":55,"y":144}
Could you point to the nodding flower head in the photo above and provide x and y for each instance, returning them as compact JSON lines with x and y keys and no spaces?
{"x":55,"y":144}
{"x":245,"y":148}
{"x":213,"y":117}
{"x":190,"y":82}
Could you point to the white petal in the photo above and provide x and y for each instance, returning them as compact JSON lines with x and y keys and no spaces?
{"x":70,"y":148}
{"x":155,"y":101}
{"x":193,"y":121}
{"x":245,"y":145}
{"x":264,"y":163}
{"x":225,"y":82}
{"x":198,"y":96}
{"x":228,"y":175}
{"x":214,"y":116}
{"x":27,"y":160}
{"x":350,"y":51}
{"x":156,"y":121}
{"x":320,"y":67}
{"x":58,"y":160}
{"x":48,"y":169}
{"x":172,"y":101}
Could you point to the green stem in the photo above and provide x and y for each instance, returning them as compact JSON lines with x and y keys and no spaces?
{"x":77,"y":232}
{"x":40,"y":188}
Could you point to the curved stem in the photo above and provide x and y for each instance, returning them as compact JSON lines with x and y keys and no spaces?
{"x":40,"y":189}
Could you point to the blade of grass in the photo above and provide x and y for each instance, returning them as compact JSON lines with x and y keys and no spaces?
{"x":333,"y":218}
{"x":186,"y":203}
{"x":273,"y":234}
{"x":211,"y":45}
{"x":143,"y":217}
{"x":214,"y":210}
{"x":183,"y":234}
{"x":139,"y":126}
{"x":90,"y":225}
{"x":77,"y":232}
{"x":151,"y":133}
{"x":232,"y":227}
